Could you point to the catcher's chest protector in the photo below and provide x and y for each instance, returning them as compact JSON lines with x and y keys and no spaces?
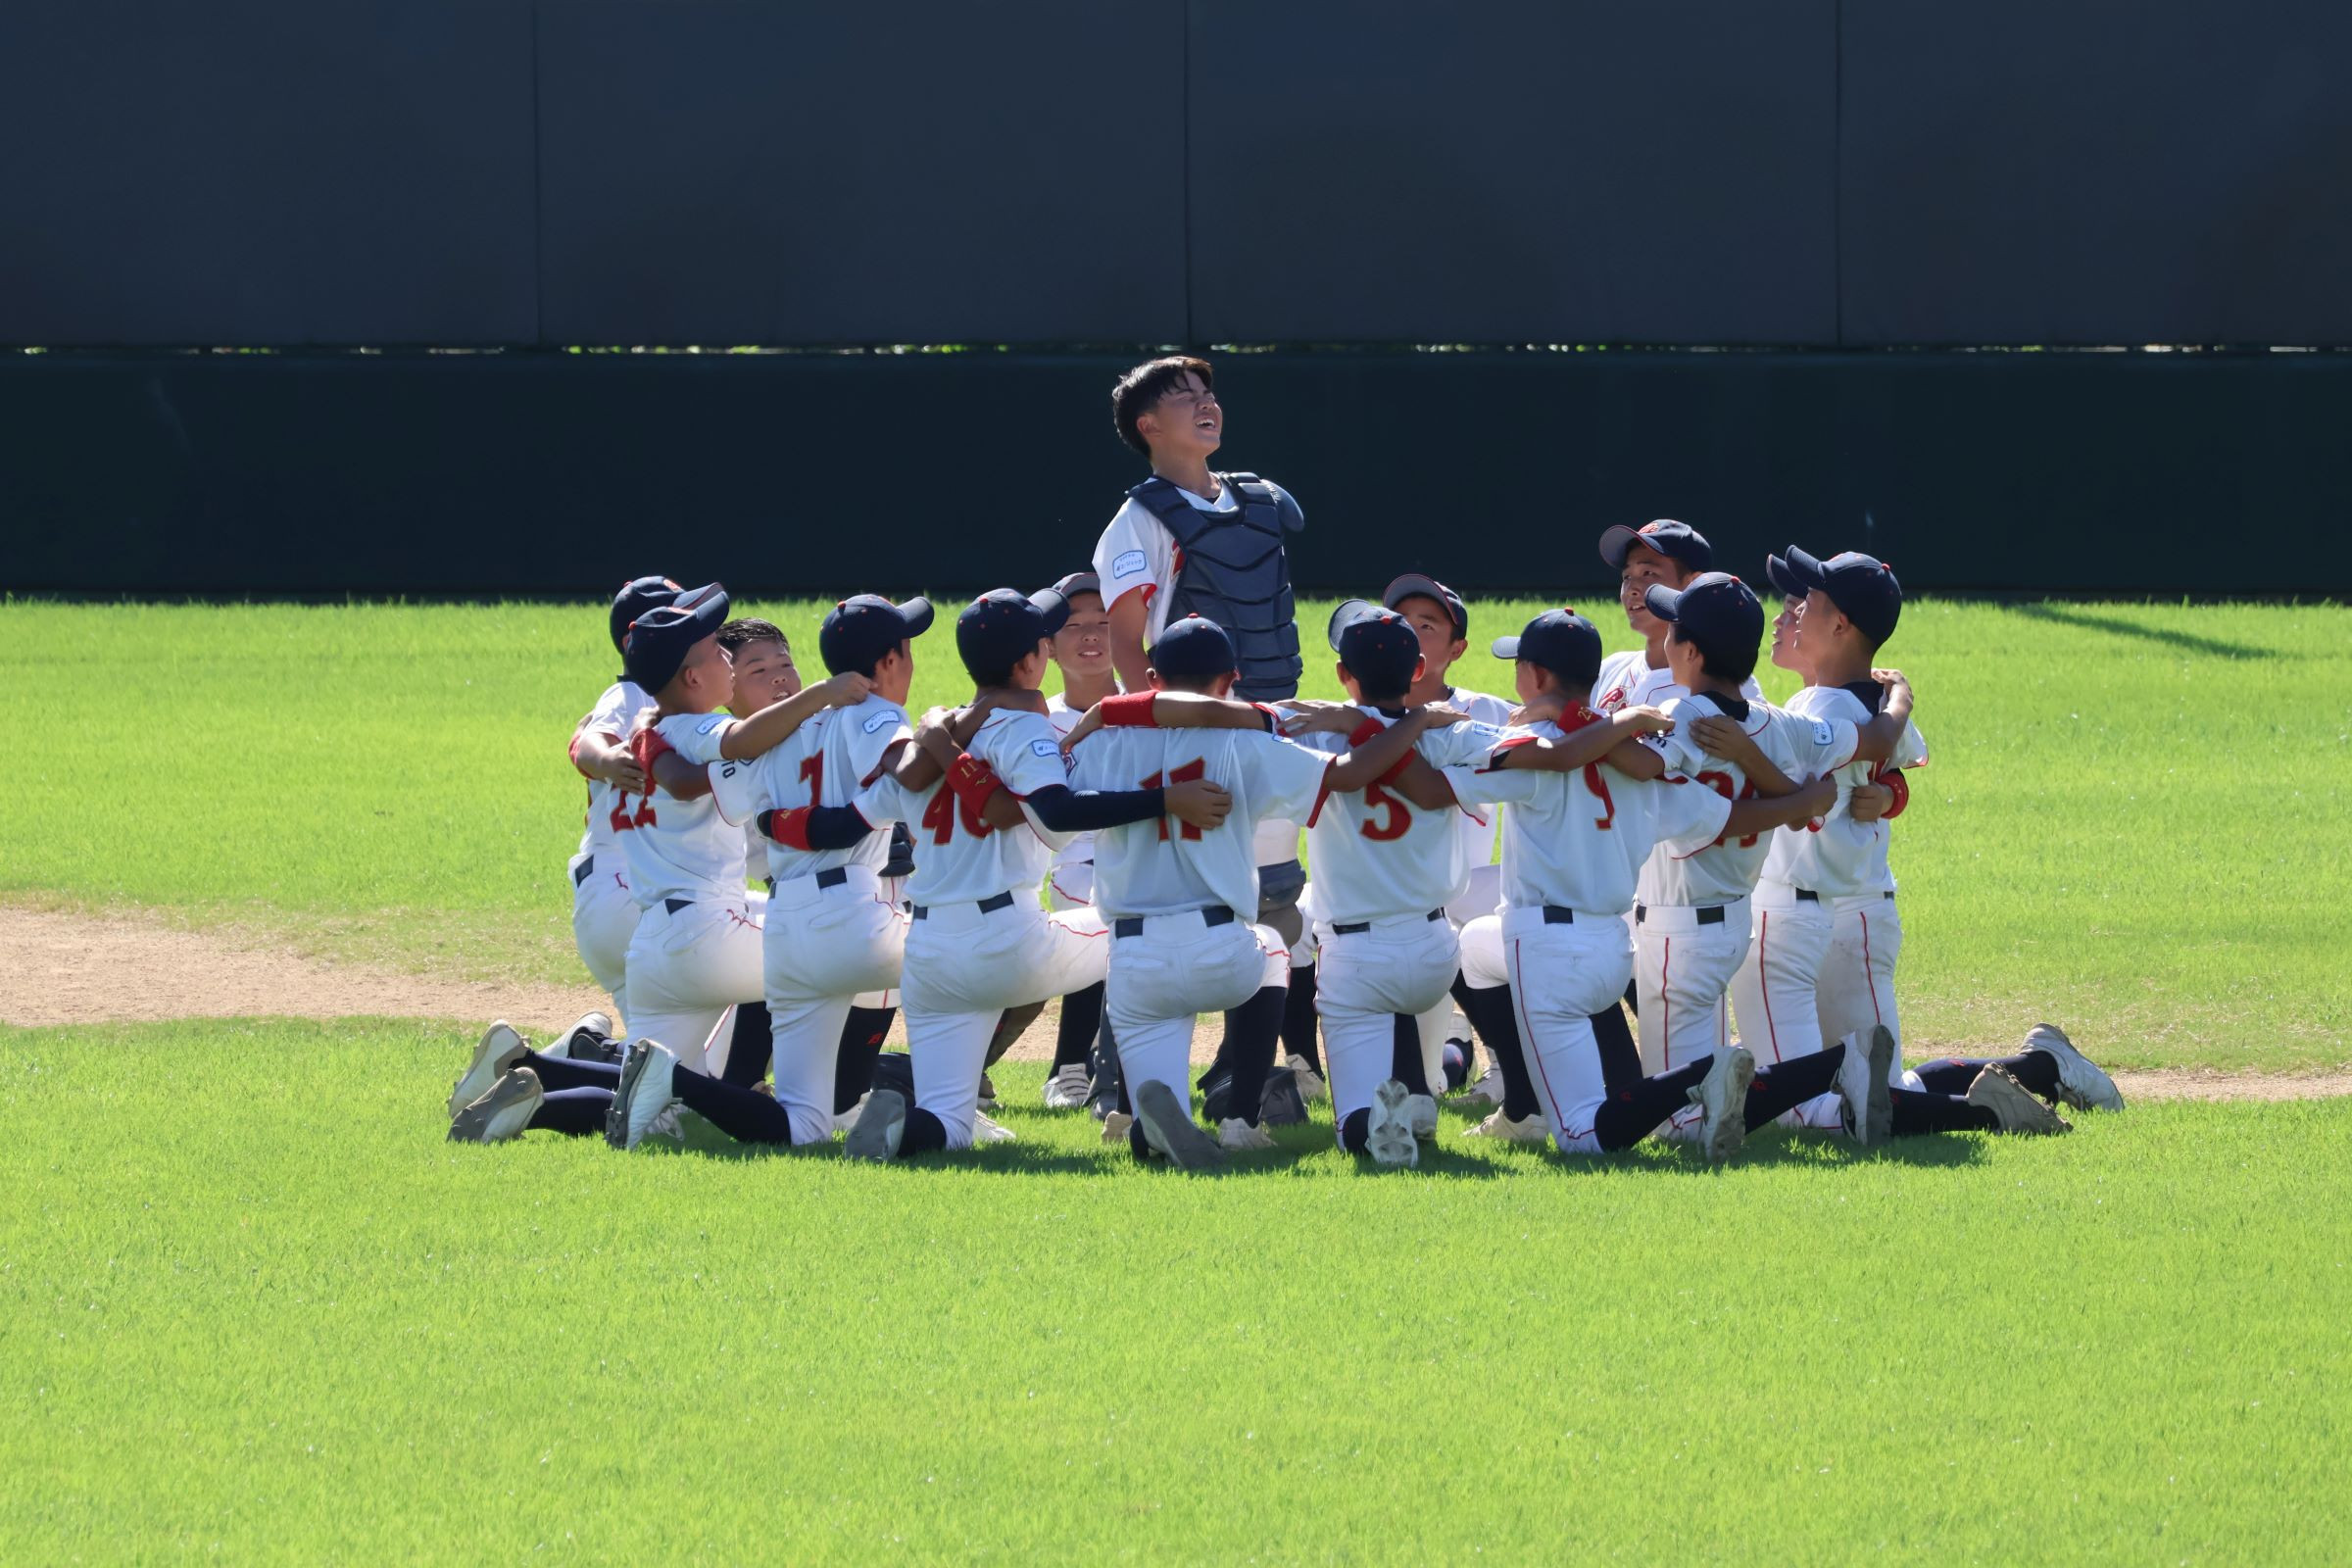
{"x":1233,"y":572}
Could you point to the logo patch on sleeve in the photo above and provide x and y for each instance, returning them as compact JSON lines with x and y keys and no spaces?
{"x":1130,"y":563}
{"x":1821,"y":732}
{"x":708,"y":725}
{"x":886,"y":717}
{"x":1045,"y":749}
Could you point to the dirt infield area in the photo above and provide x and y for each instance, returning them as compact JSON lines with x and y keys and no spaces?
{"x":67,"y":968}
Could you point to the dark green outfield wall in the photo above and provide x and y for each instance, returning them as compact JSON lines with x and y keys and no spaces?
{"x":555,"y":473}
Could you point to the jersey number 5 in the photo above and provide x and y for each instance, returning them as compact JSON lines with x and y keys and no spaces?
{"x":1197,"y":768}
{"x":1393,"y":825}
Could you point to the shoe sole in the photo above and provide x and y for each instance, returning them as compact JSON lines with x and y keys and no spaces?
{"x":1878,"y":1111}
{"x":879,"y":1128}
{"x":1421,"y":1110}
{"x":1389,"y":1138}
{"x":1729,"y":1127}
{"x":2111,"y":1100}
{"x":1173,"y":1132}
{"x":2035,"y":1120}
{"x":502,"y":1113}
{"x":483,"y":1071}
{"x":617,"y":1120}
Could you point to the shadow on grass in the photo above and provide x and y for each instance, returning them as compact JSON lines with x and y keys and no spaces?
{"x":2116,"y":626}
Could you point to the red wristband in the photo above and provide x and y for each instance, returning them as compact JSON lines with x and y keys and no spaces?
{"x":1901,"y":787}
{"x":788,"y":828}
{"x":972,"y":781}
{"x":1132,"y":710}
{"x":645,"y":745}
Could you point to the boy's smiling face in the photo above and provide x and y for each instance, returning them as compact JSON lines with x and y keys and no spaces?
{"x":1082,"y":647}
{"x":1187,"y":420}
{"x":764,"y":674}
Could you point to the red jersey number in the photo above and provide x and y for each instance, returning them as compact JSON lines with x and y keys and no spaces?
{"x":1197,"y":768}
{"x":1393,"y":825}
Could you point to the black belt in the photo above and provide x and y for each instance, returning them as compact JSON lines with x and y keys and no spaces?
{"x":1358,"y":928}
{"x":833,"y":877}
{"x":1553,"y":914}
{"x":1132,"y":925}
{"x":674,"y":906}
{"x":1808,"y":895}
{"x":1002,"y":900}
{"x":1708,"y":914}
{"x":581,"y":873}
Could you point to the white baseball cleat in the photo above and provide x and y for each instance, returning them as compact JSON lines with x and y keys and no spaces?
{"x":500,"y":1048}
{"x":2081,"y":1081}
{"x":1862,"y":1085}
{"x":643,"y":1095}
{"x":879,"y":1127}
{"x":1310,"y":1082}
{"x":846,"y":1122}
{"x":1422,"y":1111}
{"x":502,"y":1113}
{"x":1115,"y":1126}
{"x":1168,"y":1127}
{"x":1067,"y":1088}
{"x":588,"y":1040}
{"x":1485,"y":1092}
{"x":1722,"y":1099}
{"x":2013,"y":1106}
{"x":1389,"y":1136}
{"x":1526,"y":1130}
{"x":1237,"y":1137}
{"x":986,"y":1129}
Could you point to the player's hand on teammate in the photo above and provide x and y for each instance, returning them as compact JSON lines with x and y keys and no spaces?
{"x":1544,"y":709}
{"x":1199,"y":803}
{"x":1869,"y":802}
{"x":1644,"y":719}
{"x":1720,"y":735}
{"x":847,"y":691}
{"x":1817,"y":795}
{"x":1306,"y":717}
{"x":621,"y":770}
{"x":1087,"y":722}
{"x":1437,"y":716}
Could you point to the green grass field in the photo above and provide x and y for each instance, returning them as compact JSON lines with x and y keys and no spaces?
{"x":252,"y":1308}
{"x":2136,"y":822}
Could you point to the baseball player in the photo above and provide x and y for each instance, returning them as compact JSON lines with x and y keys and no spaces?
{"x":1573,"y":845}
{"x":1082,"y":653}
{"x":1178,"y":903}
{"x":509,"y":1088}
{"x":603,"y":912}
{"x":1188,"y":541}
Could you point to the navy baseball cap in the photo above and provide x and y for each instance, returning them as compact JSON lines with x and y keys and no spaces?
{"x":1417,"y":585}
{"x":1193,"y":648}
{"x":1862,"y":586}
{"x":1561,"y":641}
{"x":637,"y":596}
{"x":1666,"y":536}
{"x":1002,"y":627}
{"x":1079,"y":582}
{"x":655,"y":646}
{"x":1379,"y":647}
{"x":857,"y":632}
{"x":1717,"y":612}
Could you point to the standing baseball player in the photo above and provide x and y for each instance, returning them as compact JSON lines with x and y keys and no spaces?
{"x":1189,"y":541}
{"x":1178,"y":902}
{"x":603,"y":912}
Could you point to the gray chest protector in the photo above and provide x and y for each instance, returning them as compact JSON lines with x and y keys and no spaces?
{"x":1231,"y":569}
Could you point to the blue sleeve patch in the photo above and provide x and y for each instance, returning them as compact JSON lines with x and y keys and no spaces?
{"x":886,"y":717}
{"x":1044,"y":749}
{"x":1130,"y":563}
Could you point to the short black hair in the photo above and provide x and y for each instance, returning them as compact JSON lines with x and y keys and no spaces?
{"x":1719,"y":664}
{"x":736,"y":635}
{"x":1139,"y":390}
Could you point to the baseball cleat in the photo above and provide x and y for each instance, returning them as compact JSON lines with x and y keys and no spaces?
{"x":502,"y":1113}
{"x":1389,"y":1137}
{"x":1526,"y":1130}
{"x":1168,"y":1127}
{"x":1862,"y":1085}
{"x":643,"y":1095}
{"x":1281,"y":1104}
{"x":1067,"y":1088}
{"x":500,"y":1048}
{"x":986,"y":1129}
{"x":2013,"y":1106}
{"x":846,"y":1122}
{"x":1237,"y":1137}
{"x":2081,"y":1081}
{"x":879,"y":1127}
{"x":1114,"y":1127}
{"x":1310,"y":1082}
{"x":589,"y":1040}
{"x":1722,"y":1099}
{"x":1485,"y":1092}
{"x":1422,"y":1110}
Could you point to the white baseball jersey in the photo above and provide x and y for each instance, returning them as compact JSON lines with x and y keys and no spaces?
{"x":1375,"y":854}
{"x":612,"y":812}
{"x":958,"y":858}
{"x":1137,"y":554}
{"x":1626,"y":680}
{"x":1079,"y":850}
{"x":685,"y":849}
{"x":1837,"y":857}
{"x":1477,"y":829}
{"x":828,"y":762}
{"x":1727,"y":870}
{"x":1168,"y":866}
{"x":1577,"y":839}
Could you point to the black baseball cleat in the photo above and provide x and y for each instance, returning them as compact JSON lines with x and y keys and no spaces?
{"x":1281,"y":1106}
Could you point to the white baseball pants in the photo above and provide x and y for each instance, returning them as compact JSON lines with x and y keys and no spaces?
{"x":963,"y":969}
{"x":824,"y":946}
{"x":1560,"y":976}
{"x":1169,"y":972}
{"x":603,"y":917}
{"x":1404,"y":964}
{"x":689,"y":966}
{"x":1682,"y":971}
